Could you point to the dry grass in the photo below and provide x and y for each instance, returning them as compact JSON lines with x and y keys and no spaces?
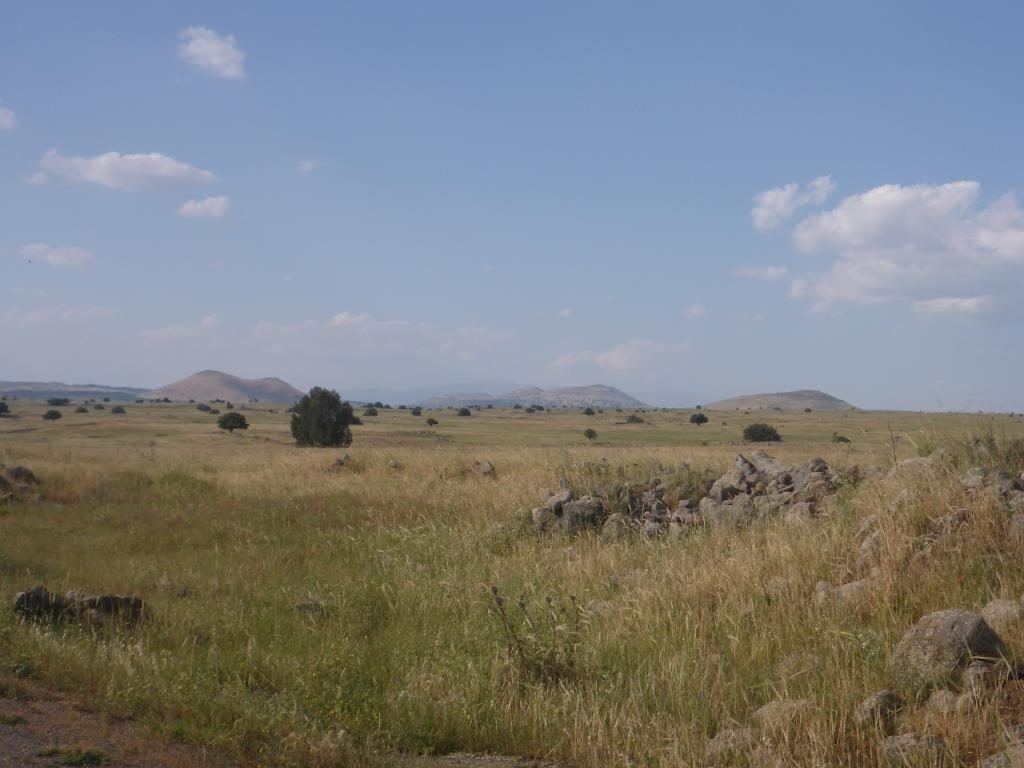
{"x":224,"y":535}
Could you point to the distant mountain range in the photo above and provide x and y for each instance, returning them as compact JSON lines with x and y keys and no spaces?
{"x":214,"y":385}
{"x":786,"y":401}
{"x":42,"y":390}
{"x":597,"y":395}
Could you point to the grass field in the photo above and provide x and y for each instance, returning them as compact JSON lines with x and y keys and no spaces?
{"x":224,"y":535}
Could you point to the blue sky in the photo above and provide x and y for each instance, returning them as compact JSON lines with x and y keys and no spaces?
{"x":689,"y":201}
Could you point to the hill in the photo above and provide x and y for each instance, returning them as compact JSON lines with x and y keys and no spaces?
{"x":786,"y":401}
{"x":41,"y":390}
{"x":598,"y":395}
{"x":214,"y":385}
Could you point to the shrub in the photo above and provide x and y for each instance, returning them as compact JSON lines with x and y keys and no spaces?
{"x":106,"y":399}
{"x":698,"y":419}
{"x":81,"y":409}
{"x":432,"y":422}
{"x":588,"y":411}
{"x":544,"y":643}
{"x":203,"y":407}
{"x":807,"y":410}
{"x":4,"y":409}
{"x":634,"y":418}
{"x":322,"y":420}
{"x":464,"y":412}
{"x":232,"y":421}
{"x":99,"y":407}
{"x":416,"y":411}
{"x":517,"y":407}
{"x":590,"y":434}
{"x":118,"y":409}
{"x":840,"y":439}
{"x":56,"y":402}
{"x":761,"y":433}
{"x":51,"y":415}
{"x":370,"y":411}
{"x":213,"y":411}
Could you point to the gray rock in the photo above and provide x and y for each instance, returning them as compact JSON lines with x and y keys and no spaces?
{"x":783,"y":718}
{"x":869,"y":551}
{"x":973,"y":479}
{"x":852,"y":592}
{"x":615,"y":527}
{"x":651,"y":529}
{"x":939,"y":645}
{"x":942,"y":702}
{"x":879,"y":710}
{"x":1015,"y":531}
{"x":584,"y":513}
{"x":1011,"y":757}
{"x":543,"y":519}
{"x":732,"y":743}
{"x":1003,"y":615}
{"x":554,"y":503}
{"x":484,"y":469}
{"x":911,"y":751}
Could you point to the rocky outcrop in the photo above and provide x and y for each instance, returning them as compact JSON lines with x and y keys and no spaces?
{"x":40,"y":604}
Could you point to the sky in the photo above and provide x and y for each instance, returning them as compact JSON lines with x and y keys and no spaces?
{"x":689,"y":201}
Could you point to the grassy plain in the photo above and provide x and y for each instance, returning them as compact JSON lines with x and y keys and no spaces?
{"x":225,"y":534}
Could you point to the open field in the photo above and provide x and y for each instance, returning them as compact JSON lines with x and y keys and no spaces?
{"x":224,"y":535}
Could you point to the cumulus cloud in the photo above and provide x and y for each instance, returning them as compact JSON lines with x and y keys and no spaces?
{"x":775,"y":206}
{"x":173,"y":332}
{"x":695,"y":310}
{"x":919,"y":244}
{"x":212,"y":54}
{"x":767,"y":273}
{"x":8,"y":120}
{"x":209,"y":208}
{"x":117,"y":171}
{"x":308,"y":166}
{"x":57,"y":255}
{"x":348,"y":318}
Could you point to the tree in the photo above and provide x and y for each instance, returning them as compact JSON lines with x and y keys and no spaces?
{"x":51,"y":415}
{"x":99,"y":407}
{"x":590,"y":434}
{"x":698,"y":419}
{"x":4,"y":409}
{"x":106,"y":399}
{"x":320,"y":419}
{"x":370,"y":411}
{"x":56,"y":402}
{"x":118,"y":409}
{"x":232,"y":421}
{"x":81,"y":409}
{"x":464,"y":412}
{"x":634,"y":418}
{"x":417,"y":411}
{"x":588,"y":411}
{"x":203,"y":407}
{"x":432,"y":422}
{"x":761,"y":433}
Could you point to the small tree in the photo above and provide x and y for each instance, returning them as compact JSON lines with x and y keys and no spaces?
{"x":464,"y":412}
{"x":56,"y":402}
{"x":634,"y":418}
{"x":118,"y":409}
{"x":99,"y":407}
{"x":432,"y":422}
{"x":320,"y":419}
{"x":761,"y":433}
{"x":81,"y":409}
{"x":370,"y":411}
{"x":588,"y":411}
{"x":4,"y":409}
{"x":203,"y":407}
{"x":51,"y":415}
{"x":232,"y":421}
{"x":698,"y":419}
{"x":417,"y":411}
{"x":590,"y":434}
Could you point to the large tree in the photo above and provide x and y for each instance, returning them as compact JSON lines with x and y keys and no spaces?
{"x":232,"y":421}
{"x":322,"y":420}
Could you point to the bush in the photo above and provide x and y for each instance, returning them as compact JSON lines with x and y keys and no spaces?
{"x":51,"y":415}
{"x":213,"y":411}
{"x":99,"y":407}
{"x":416,"y":411}
{"x":761,"y":433}
{"x":118,"y":409}
{"x":588,"y":411}
{"x":4,"y":409}
{"x":232,"y":421}
{"x":322,"y":420}
{"x":464,"y":412}
{"x":698,"y":419}
{"x":106,"y":399}
{"x":81,"y":409}
{"x":807,"y":410}
{"x":432,"y":422}
{"x":370,"y":411}
{"x":203,"y":407}
{"x":590,"y":434}
{"x":634,"y":418}
{"x":517,"y":407}
{"x":58,"y":401}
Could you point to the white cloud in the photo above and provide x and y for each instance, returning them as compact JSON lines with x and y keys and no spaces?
{"x":348,"y":318}
{"x":566,"y":312}
{"x":953,"y":305}
{"x":206,"y":51}
{"x":173,"y":332}
{"x":37,"y":178}
{"x":308,"y":166}
{"x":761,"y":273}
{"x":209,"y":208}
{"x":8,"y":120}
{"x":633,"y":357}
{"x":57,"y":255}
{"x":774,"y":206}
{"x":695,"y":310}
{"x":57,"y":315}
{"x":118,"y":171}
{"x":917,"y":244}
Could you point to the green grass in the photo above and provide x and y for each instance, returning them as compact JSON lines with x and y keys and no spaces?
{"x":675,"y":639}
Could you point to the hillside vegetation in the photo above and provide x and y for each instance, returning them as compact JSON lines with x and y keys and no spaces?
{"x":309,"y":611}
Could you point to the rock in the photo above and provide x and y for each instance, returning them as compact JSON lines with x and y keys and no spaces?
{"x":935,"y":649}
{"x":485,"y":469}
{"x":651,"y":529}
{"x":1003,"y":615}
{"x":554,"y":503}
{"x":869,"y":551}
{"x":852,"y":592}
{"x":121,"y":608}
{"x":21,"y":474}
{"x":730,"y":744}
{"x":1016,"y":502}
{"x":973,"y":479}
{"x":312,"y":607}
{"x":615,"y":527}
{"x":911,"y":750}
{"x":1011,"y":757}
{"x":782,"y":719}
{"x":1015,"y":531}
{"x":977,"y":679}
{"x":543,"y":519}
{"x":38,"y":603}
{"x":583,"y":513}
{"x":942,"y":702}
{"x":796,"y":666}
{"x":915,"y":466}
{"x":879,"y":710}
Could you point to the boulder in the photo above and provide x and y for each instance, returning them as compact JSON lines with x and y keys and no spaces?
{"x":912,"y":751}
{"x":731,"y":744}
{"x":39,"y":603}
{"x":879,"y":710}
{"x":484,"y":469}
{"x":576,"y":516}
{"x":943,"y":702}
{"x":1003,"y":616}
{"x":1011,"y":757}
{"x":783,"y":718}
{"x":554,"y":503}
{"x":939,"y":645}
{"x":22,"y":475}
{"x":615,"y":527}
{"x":543,"y":519}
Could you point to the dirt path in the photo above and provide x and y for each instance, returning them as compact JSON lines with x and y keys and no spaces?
{"x":40,"y":728}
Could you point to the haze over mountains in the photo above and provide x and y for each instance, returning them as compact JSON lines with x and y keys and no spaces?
{"x":598,"y":395}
